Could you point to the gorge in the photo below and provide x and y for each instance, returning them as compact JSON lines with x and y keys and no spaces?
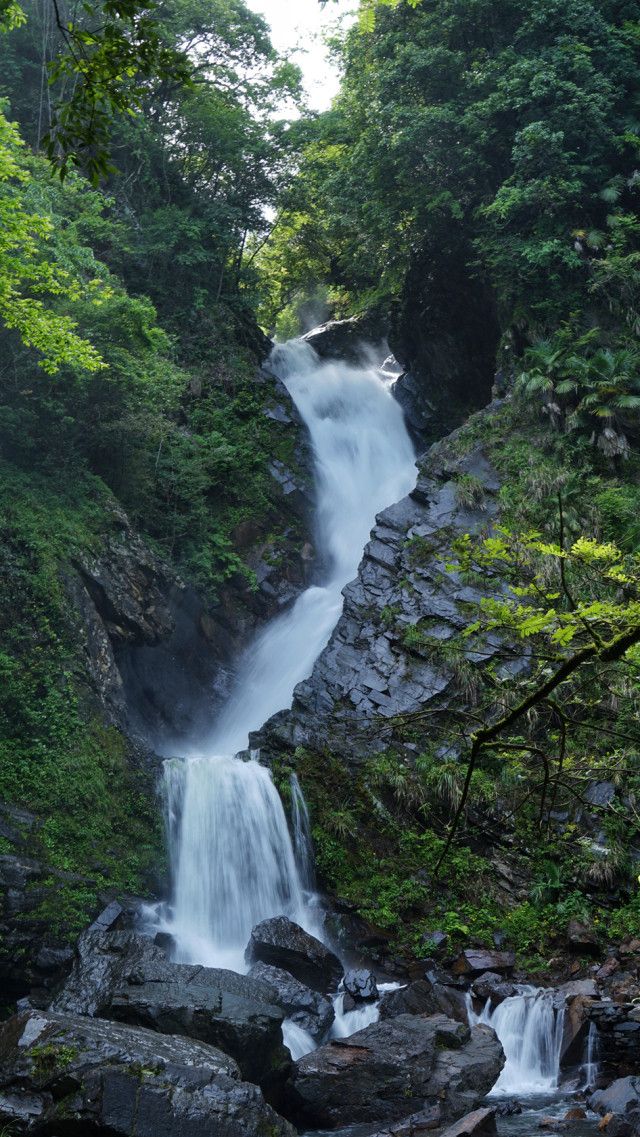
{"x":319,"y":571}
{"x":233,"y":860}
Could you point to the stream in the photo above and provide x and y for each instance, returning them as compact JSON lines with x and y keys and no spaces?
{"x":235,"y":861}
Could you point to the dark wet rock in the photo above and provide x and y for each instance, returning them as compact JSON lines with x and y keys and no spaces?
{"x":424,"y":1122}
{"x":582,"y":939}
{"x":508,"y":1108}
{"x":126,"y":977}
{"x":65,"y":1075}
{"x":608,"y":968}
{"x":281,"y":943}
{"x":165,"y":941}
{"x":492,"y":986}
{"x":32,"y":960}
{"x":576,"y":1021}
{"x":449,"y":994}
{"x":437,"y":941}
{"x":397,"y":1067}
{"x":359,"y":340}
{"x":618,"y":1027}
{"x":419,"y":410}
{"x":415,"y":999}
{"x":600,"y":793}
{"x":113,"y":917}
{"x":367,"y":669}
{"x":308,"y":1009}
{"x":478,"y":1123}
{"x":621,"y":1097}
{"x":615,"y":1126}
{"x":361,"y":985}
{"x":474,"y":961}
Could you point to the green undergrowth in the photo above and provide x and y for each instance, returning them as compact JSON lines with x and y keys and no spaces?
{"x":379,"y":826}
{"x":374,"y":850}
{"x":97,"y":826}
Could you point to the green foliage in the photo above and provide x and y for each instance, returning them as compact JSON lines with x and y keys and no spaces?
{"x":587,"y":387}
{"x":99,"y":816}
{"x":538,"y":204}
{"x":27,"y":273}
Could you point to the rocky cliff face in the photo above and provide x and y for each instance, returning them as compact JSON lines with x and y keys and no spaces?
{"x":444,"y":332}
{"x":387,"y":656}
{"x":149,"y":659}
{"x":160,"y":654}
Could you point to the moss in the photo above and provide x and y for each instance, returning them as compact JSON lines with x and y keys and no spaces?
{"x":52,"y":1057}
{"x":99,"y":819}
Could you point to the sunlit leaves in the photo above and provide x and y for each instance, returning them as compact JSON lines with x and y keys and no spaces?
{"x":27,"y":274}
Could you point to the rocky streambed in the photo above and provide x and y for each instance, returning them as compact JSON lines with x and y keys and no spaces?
{"x":134,"y":1043}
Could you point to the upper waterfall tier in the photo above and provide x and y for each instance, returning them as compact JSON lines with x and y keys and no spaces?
{"x":232,"y":856}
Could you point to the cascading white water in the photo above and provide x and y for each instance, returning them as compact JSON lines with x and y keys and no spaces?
{"x":232,"y":856}
{"x":298,"y":1040}
{"x":530,"y":1028}
{"x":302,"y":844}
{"x":591,"y":1066}
{"x":348,"y":1022}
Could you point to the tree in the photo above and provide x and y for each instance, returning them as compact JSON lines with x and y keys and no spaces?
{"x":27,"y":273}
{"x":572,"y":614}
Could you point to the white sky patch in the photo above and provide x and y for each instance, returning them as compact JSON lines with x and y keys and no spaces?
{"x":301,"y":25}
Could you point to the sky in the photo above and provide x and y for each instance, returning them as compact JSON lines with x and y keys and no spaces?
{"x":300,"y":24}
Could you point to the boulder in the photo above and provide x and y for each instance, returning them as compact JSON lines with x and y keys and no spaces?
{"x":395,"y":1067}
{"x":461,"y":1078}
{"x":361,"y":985}
{"x":473,"y":961}
{"x":492,"y":986}
{"x":308,"y":1009}
{"x":577,"y":1013}
{"x":349,"y":340}
{"x":281,"y":943}
{"x":615,"y":1126}
{"x":581,"y":939}
{"x":67,"y":1075}
{"x":608,"y":968}
{"x":478,"y":1122}
{"x":621,"y":1097}
{"x":630,"y":946}
{"x":508,"y":1108}
{"x":124,"y":976}
{"x":415,"y":999}
{"x":585,"y":988}
{"x":415,"y":1125}
{"x":436,"y":941}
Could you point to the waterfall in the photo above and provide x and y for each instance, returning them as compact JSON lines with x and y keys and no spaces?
{"x":298,"y":1041}
{"x":591,"y":1066}
{"x":348,"y":1022}
{"x":302,"y":843}
{"x":232,"y":857}
{"x":530,"y":1028}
